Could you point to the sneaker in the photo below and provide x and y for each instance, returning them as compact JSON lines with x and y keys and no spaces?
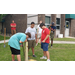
{"x":48,"y":59}
{"x":34,"y":55}
{"x":43,"y":57}
{"x":51,"y":46}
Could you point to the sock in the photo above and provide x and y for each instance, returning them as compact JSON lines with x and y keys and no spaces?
{"x":51,"y":44}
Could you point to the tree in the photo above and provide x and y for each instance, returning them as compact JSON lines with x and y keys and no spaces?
{"x":53,"y":19}
{"x":62,"y":29}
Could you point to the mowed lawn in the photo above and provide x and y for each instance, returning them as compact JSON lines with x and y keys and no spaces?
{"x":59,"y":52}
{"x":2,"y":37}
{"x":64,"y":39}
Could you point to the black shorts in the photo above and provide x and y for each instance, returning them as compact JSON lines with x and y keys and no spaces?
{"x":14,"y":51}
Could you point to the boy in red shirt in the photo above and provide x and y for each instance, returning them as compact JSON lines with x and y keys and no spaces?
{"x":13,"y":27}
{"x":45,"y":41}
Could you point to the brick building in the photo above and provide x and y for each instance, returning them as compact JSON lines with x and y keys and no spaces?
{"x":65,"y":23}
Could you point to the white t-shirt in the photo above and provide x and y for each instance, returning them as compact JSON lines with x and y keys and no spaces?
{"x":40,"y":30}
{"x":32,"y":31}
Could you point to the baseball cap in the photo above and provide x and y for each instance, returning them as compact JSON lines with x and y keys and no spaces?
{"x":52,"y":23}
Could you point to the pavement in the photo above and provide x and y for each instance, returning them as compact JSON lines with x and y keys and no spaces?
{"x":3,"y":41}
{"x":57,"y":42}
{"x":64,"y":42}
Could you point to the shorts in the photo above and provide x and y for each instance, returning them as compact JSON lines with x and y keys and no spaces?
{"x":39,"y":35}
{"x":51,"y":35}
{"x":13,"y":32}
{"x":31,"y":43}
{"x":44,"y":46}
{"x":15,"y":51}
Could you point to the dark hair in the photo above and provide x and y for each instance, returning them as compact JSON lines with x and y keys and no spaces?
{"x":28,"y":34}
{"x":32,"y":23}
{"x":42,"y":24}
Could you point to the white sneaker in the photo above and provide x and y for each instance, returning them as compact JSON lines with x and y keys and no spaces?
{"x":43,"y":57}
{"x":48,"y":59}
{"x":36,"y":44}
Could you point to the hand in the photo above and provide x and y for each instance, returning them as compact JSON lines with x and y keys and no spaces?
{"x":43,"y":41}
{"x":21,"y":45}
{"x":40,"y":42}
{"x":36,"y":40}
{"x":25,"y":40}
{"x":52,"y":29}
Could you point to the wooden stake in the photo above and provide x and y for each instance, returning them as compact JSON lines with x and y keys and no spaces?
{"x":4,"y":35}
{"x":26,"y":52}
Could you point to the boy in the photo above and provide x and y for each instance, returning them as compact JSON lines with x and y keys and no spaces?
{"x":31,"y":41}
{"x":45,"y":41}
{"x":13,"y":27}
{"x":52,"y":28}
{"x":15,"y":41}
{"x":39,"y":30}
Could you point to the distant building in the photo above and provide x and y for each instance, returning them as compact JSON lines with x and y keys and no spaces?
{"x":65,"y":23}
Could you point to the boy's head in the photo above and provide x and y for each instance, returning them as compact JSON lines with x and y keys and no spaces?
{"x":28,"y":35}
{"x":42,"y":25}
{"x":52,"y":23}
{"x":12,"y":21}
{"x":40,"y":22}
{"x":32,"y":24}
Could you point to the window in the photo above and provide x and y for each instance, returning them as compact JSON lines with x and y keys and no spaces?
{"x":67,"y":24}
{"x":57,"y":27}
{"x":58,"y":21}
{"x":47,"y":19}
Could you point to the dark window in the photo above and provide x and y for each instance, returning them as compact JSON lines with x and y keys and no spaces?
{"x":47,"y":19}
{"x":57,"y":27}
{"x":58,"y":21}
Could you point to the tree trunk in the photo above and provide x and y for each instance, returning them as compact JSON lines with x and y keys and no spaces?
{"x":62,"y":29}
{"x":53,"y":19}
{"x":41,"y":17}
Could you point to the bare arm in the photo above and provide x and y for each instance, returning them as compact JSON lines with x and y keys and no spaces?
{"x":37,"y":30}
{"x":36,"y":37}
{"x":46,"y":38}
{"x":13,"y":26}
{"x":54,"y":30}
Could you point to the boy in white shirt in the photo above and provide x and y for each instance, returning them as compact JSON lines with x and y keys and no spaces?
{"x":31,"y":41}
{"x":39,"y":30}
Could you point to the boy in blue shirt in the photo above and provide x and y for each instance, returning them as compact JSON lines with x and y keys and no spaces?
{"x":52,"y":30}
{"x":15,"y":41}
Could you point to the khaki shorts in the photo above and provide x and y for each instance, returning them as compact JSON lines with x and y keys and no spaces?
{"x":31,"y":43}
{"x":13,"y":32}
{"x":51,"y":35}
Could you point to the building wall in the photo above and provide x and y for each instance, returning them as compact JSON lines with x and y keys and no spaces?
{"x":73,"y":28}
{"x":32,"y":18}
{"x":19,"y":19}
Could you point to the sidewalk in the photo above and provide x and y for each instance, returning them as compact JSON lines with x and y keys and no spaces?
{"x":57,"y":42}
{"x":64,"y":42}
{"x":3,"y":41}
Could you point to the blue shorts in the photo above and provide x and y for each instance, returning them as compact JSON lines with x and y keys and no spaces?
{"x":44,"y":46}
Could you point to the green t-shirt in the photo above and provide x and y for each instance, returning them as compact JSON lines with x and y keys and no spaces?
{"x":14,"y":40}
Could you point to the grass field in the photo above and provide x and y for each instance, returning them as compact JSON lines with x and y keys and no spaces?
{"x":59,"y":52}
{"x":2,"y":37}
{"x":64,"y":39}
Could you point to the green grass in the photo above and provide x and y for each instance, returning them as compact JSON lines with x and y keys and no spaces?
{"x":64,"y":39}
{"x":59,"y":52}
{"x":2,"y":37}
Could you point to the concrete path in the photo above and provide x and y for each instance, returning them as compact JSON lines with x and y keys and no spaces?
{"x":64,"y":42}
{"x":58,"y":42}
{"x":3,"y":41}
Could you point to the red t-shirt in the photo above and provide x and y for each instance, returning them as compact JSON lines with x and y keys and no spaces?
{"x":13,"y":24}
{"x":45,"y":32}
